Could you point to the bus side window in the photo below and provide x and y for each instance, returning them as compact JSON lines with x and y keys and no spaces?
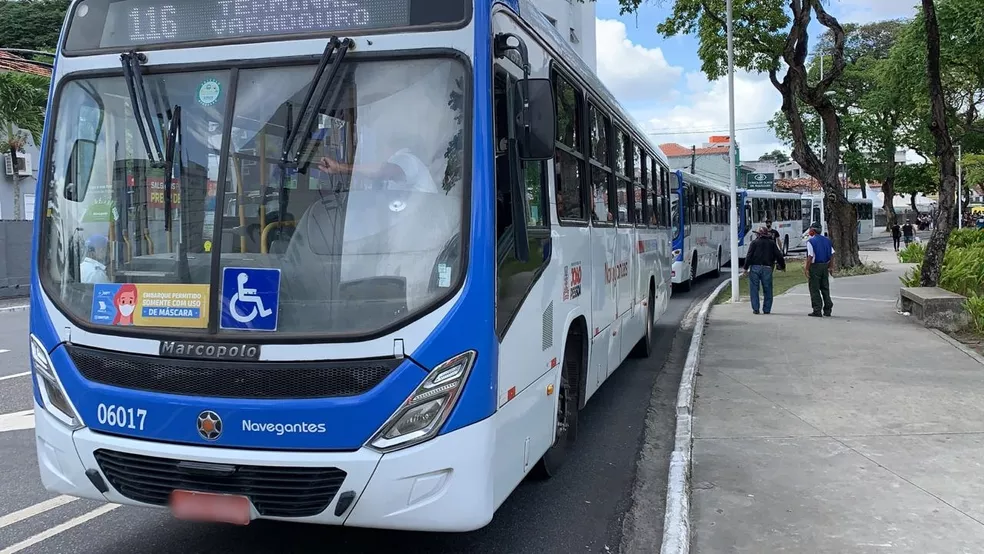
{"x":568,"y":157}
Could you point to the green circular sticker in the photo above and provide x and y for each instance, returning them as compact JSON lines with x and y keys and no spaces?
{"x":208,"y":92}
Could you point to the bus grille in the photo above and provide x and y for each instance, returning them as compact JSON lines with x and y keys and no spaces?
{"x":270,"y":380}
{"x":274,"y":491}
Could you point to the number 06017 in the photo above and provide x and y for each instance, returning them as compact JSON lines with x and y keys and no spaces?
{"x":121,"y":416}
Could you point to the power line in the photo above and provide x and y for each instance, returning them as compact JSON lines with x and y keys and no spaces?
{"x":705,"y":131}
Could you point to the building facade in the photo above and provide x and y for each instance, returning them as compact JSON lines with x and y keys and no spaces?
{"x":576,"y":22}
{"x":709,"y":160}
{"x":17,"y":184}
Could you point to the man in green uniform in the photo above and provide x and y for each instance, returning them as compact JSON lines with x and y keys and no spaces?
{"x":819,"y":266}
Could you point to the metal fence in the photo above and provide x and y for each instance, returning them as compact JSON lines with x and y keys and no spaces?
{"x":15,"y":247}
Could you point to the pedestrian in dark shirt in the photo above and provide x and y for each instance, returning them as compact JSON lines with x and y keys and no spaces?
{"x":896,"y":235}
{"x":819,"y":266}
{"x":907,"y":232}
{"x":762,"y":258}
{"x":772,"y":232}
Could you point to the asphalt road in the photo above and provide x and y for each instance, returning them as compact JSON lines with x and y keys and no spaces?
{"x":580,"y":510}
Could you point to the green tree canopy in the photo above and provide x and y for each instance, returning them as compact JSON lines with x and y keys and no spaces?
{"x":31,"y":24}
{"x":22,"y":103}
{"x":777,"y":156}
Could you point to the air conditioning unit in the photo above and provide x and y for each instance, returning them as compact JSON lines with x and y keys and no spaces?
{"x":24,"y":166}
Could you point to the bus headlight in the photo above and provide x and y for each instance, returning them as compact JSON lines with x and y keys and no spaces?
{"x":53,"y":397}
{"x":427,"y":408}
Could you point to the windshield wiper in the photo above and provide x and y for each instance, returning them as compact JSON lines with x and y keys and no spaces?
{"x":303,"y":126}
{"x":172,"y":139}
{"x":138,"y":99}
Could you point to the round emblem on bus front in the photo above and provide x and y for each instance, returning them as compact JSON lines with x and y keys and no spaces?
{"x":209,"y":425}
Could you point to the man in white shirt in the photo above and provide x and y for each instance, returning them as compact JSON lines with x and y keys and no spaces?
{"x":93,"y":266}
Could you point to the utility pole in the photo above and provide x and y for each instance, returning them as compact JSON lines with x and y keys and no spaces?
{"x":731,"y":157}
{"x":959,"y":186}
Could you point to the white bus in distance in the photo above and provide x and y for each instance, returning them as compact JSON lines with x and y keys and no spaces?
{"x":782,"y":208}
{"x":698,"y":248}
{"x":814,"y":211}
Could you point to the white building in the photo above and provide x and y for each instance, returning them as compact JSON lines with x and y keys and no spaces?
{"x":576,"y":21}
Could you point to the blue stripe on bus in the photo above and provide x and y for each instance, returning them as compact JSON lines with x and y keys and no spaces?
{"x":477,"y":305}
{"x":39,"y":323}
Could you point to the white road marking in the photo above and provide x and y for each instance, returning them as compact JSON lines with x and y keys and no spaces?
{"x":4,"y":350}
{"x":17,"y":421}
{"x":58,"y":529}
{"x":14,"y":376}
{"x":37,"y":509}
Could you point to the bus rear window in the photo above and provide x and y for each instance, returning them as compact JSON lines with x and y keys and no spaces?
{"x":125,"y":24}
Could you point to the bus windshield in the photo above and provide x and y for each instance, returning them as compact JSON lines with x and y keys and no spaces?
{"x":365,"y":229}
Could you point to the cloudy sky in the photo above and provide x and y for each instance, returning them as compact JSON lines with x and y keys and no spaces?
{"x":660,"y":80}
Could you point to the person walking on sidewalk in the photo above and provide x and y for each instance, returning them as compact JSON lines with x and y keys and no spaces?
{"x":896,"y":235}
{"x":907,"y":232}
{"x":819,"y":266}
{"x":763,"y":256}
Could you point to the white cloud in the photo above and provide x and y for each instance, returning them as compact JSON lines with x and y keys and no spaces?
{"x":703,"y":111}
{"x":666,"y":98}
{"x":632,"y":72}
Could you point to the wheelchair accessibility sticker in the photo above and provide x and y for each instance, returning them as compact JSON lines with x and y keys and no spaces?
{"x":250,"y":298}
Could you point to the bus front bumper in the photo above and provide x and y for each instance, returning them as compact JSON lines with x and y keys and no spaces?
{"x":445,"y":484}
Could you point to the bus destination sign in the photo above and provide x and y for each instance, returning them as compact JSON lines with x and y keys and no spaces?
{"x":121,"y":24}
{"x":179,"y":21}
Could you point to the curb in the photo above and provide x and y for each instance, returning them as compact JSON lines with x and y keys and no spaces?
{"x":959,"y":346}
{"x":21,"y":308}
{"x":676,"y":519}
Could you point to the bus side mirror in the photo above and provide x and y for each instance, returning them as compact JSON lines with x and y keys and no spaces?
{"x":536,"y":140}
{"x":79,"y":169}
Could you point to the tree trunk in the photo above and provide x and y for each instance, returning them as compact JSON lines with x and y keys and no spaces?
{"x":912,"y":200}
{"x":943,"y":217}
{"x":843,"y":222}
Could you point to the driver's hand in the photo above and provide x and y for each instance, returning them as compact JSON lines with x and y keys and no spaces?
{"x":329,"y":165}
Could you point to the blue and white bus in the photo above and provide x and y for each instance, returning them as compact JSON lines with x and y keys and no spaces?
{"x":350,"y":263}
{"x":814,"y":211}
{"x":700,"y":245}
{"x":783,"y":209}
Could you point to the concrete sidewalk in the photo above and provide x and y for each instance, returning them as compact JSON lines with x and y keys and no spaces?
{"x":859,"y":433}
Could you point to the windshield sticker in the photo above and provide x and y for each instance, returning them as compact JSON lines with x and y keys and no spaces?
{"x":208,"y":92}
{"x":150,"y":305}
{"x":250,"y":298}
{"x":444,"y":276}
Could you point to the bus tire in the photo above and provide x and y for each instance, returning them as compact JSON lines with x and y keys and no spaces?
{"x":688,"y":285}
{"x":717,"y":272}
{"x":644,"y":348}
{"x":785,"y":245}
{"x":568,"y":405}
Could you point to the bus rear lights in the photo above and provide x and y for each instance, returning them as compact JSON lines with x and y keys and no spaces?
{"x":424,"y":412}
{"x":53,"y":396}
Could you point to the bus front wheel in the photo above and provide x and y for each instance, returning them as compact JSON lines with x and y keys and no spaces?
{"x":568,"y":404}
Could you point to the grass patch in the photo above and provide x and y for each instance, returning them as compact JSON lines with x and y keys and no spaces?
{"x":781,"y":282}
{"x":859,"y":270}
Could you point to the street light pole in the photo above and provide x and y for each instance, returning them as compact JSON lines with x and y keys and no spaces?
{"x":959,"y":187}
{"x":731,"y":158}
{"x":823,"y":143}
